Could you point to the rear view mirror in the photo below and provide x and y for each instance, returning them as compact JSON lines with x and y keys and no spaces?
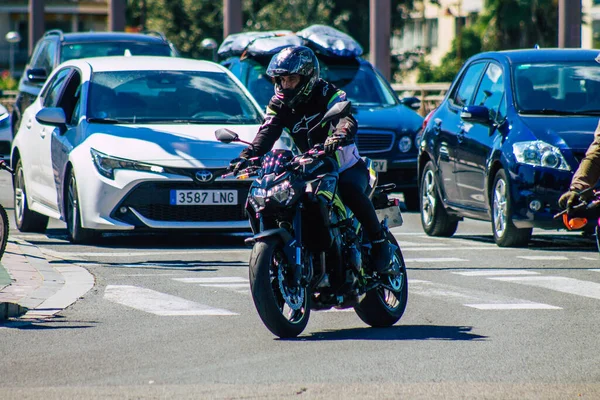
{"x":411,"y":102}
{"x":477,"y":114}
{"x":226,"y":136}
{"x":54,"y":116}
{"x":37,"y":75}
{"x":339,"y":110}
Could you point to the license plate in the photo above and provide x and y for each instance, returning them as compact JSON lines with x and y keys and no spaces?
{"x":203,"y":197}
{"x":380,"y":165}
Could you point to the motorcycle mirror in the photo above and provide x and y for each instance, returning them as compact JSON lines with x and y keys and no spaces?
{"x":339,"y":110}
{"x":226,"y":136}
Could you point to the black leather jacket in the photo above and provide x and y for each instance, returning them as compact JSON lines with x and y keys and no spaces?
{"x":301,"y":119}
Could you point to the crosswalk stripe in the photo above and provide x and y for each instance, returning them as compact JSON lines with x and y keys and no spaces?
{"x":472,"y":298}
{"x":543,"y":258}
{"x":158,"y":303}
{"x":217,"y":279}
{"x":559,"y":284}
{"x":433,"y":260}
{"x":227,"y":285}
{"x":496,"y":272}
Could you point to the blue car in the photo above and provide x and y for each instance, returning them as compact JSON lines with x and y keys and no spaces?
{"x":387,"y":125}
{"x":504,"y":143}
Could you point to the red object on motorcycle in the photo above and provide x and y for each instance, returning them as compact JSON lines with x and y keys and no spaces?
{"x":574,"y":223}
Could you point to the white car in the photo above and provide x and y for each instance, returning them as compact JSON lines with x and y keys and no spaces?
{"x":128,"y":143}
{"x":5,"y":133}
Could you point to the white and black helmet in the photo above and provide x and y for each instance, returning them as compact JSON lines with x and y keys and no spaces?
{"x":294,"y":60}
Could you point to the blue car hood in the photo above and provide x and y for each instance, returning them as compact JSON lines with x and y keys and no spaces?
{"x":397,"y":118}
{"x":576,"y":132}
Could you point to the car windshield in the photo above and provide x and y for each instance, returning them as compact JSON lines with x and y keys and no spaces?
{"x":169,"y":97}
{"x":361,"y":84}
{"x":72,"y":51}
{"x":558,"y":88}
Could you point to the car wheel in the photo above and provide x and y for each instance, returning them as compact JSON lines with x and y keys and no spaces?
{"x":411,"y":200}
{"x":77,"y":234}
{"x":506,"y":234}
{"x":26,"y":220}
{"x":434,"y":218}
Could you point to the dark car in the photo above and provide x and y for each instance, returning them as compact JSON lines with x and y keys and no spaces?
{"x":56,"y":47}
{"x":504,"y":143}
{"x":386,"y":125}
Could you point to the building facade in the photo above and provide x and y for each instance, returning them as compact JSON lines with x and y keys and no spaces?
{"x":67,"y":15}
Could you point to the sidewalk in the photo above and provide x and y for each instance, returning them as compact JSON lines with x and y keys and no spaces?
{"x":30,"y":287}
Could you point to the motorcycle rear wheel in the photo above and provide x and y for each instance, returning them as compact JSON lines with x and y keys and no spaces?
{"x":382,"y":307}
{"x":266,"y":262}
{"x":4,"y":227}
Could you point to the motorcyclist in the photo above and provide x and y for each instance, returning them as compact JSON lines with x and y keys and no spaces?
{"x":300,"y":101}
{"x":586,"y":176}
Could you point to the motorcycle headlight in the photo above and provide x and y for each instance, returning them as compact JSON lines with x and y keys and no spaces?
{"x":281,"y":192}
{"x":106,"y":164}
{"x":540,"y":154}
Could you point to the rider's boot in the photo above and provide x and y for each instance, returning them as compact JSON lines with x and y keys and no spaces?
{"x":381,"y":255}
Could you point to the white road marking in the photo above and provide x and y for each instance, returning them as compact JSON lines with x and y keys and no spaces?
{"x":496,"y":272}
{"x":472,"y":298}
{"x":63,"y":255}
{"x":434,"y":260}
{"x":227,"y":285}
{"x":158,"y":303}
{"x":218,"y":279}
{"x":461,"y":248}
{"x":590,"y":258}
{"x":543,"y":258}
{"x":559,"y":284}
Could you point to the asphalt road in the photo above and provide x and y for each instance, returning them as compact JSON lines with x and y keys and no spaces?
{"x":172,"y":317}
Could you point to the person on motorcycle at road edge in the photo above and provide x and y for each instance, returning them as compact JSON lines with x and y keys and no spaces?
{"x":586,"y":176}
{"x":300,"y":101}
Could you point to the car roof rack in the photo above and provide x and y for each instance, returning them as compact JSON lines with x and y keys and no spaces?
{"x":58,"y":32}
{"x":155,"y":33}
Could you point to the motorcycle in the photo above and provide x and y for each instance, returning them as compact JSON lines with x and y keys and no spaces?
{"x":309,"y":251}
{"x":4,"y":226}
{"x":578,"y":216}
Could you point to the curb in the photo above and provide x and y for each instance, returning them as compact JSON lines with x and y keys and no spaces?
{"x":39,"y":290}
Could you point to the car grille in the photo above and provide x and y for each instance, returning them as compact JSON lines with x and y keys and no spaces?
{"x":151,"y":199}
{"x":374,"y":141}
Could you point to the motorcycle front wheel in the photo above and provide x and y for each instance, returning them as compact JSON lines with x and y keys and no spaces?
{"x":4,"y":227}
{"x":384,"y":305}
{"x":283,"y":309}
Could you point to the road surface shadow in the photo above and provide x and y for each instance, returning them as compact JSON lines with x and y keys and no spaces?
{"x":399,"y":332}
{"x":558,"y":243}
{"x":179,"y":240}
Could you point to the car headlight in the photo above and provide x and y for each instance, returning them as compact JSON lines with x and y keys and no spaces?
{"x":106,"y":164}
{"x":404,"y":144}
{"x":540,"y":154}
{"x":4,"y":120}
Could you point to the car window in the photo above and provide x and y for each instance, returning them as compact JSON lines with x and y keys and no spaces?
{"x":55,"y":87}
{"x":467,"y":86}
{"x":41,"y":57}
{"x":557,"y":87}
{"x":170,"y":97}
{"x":101,"y":49}
{"x":491,"y":89}
{"x":362,"y":85}
{"x":70,"y":95}
{"x":45,"y":58}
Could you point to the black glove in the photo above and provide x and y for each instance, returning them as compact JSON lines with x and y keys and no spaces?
{"x":237,"y":164}
{"x":568,"y":199}
{"x":333,"y":142}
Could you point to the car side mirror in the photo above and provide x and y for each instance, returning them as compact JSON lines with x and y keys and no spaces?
{"x":37,"y":75}
{"x":411,"y":102}
{"x":225,"y":135}
{"x":476,"y":114}
{"x":54,"y":116}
